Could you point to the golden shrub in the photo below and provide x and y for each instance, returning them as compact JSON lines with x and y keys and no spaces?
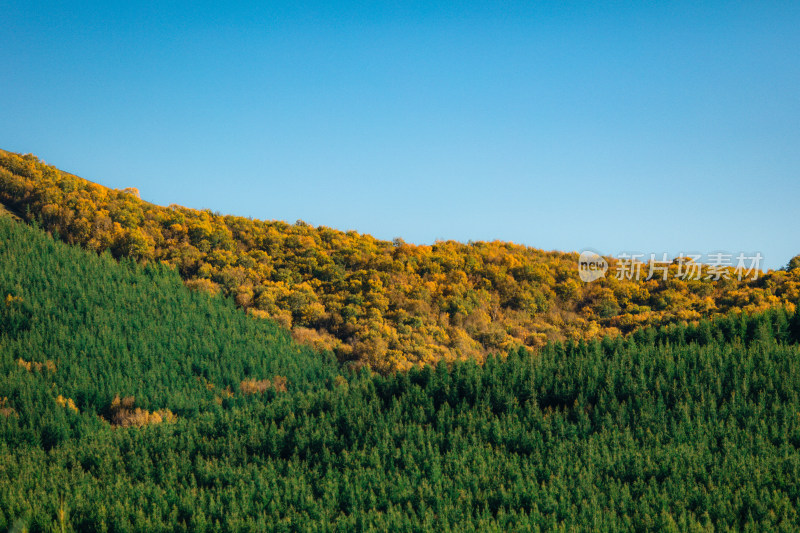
{"x":124,"y":414}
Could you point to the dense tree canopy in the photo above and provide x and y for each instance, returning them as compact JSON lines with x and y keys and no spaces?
{"x":388,"y":305}
{"x":130,"y":403}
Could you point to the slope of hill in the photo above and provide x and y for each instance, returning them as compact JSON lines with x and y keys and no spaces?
{"x":388,"y":305}
{"x":677,"y":429}
{"x":4,"y":212}
{"x":129,"y":403}
{"x":92,"y":329}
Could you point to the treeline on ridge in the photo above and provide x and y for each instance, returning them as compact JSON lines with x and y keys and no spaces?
{"x":672,"y":428}
{"x":388,"y":305}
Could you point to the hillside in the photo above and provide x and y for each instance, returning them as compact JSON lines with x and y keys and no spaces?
{"x":93,"y":329}
{"x":388,"y":305}
{"x":129,"y":403}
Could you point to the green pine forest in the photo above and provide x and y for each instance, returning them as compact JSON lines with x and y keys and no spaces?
{"x":129,"y":402}
{"x":384,"y":305}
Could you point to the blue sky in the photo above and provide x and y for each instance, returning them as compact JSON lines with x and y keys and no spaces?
{"x":648,"y":127}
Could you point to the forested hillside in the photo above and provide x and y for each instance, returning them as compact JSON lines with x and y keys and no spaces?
{"x":388,"y":305}
{"x":86,"y":329}
{"x":130,"y":403}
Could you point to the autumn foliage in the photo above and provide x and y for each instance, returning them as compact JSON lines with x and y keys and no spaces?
{"x":35,"y":366}
{"x":681,"y":428}
{"x":5,"y":410}
{"x":67,"y":403}
{"x":256,"y":386}
{"x":124,"y":414}
{"x":386,"y":305}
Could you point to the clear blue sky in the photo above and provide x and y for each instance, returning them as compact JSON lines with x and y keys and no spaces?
{"x":629,"y":126}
